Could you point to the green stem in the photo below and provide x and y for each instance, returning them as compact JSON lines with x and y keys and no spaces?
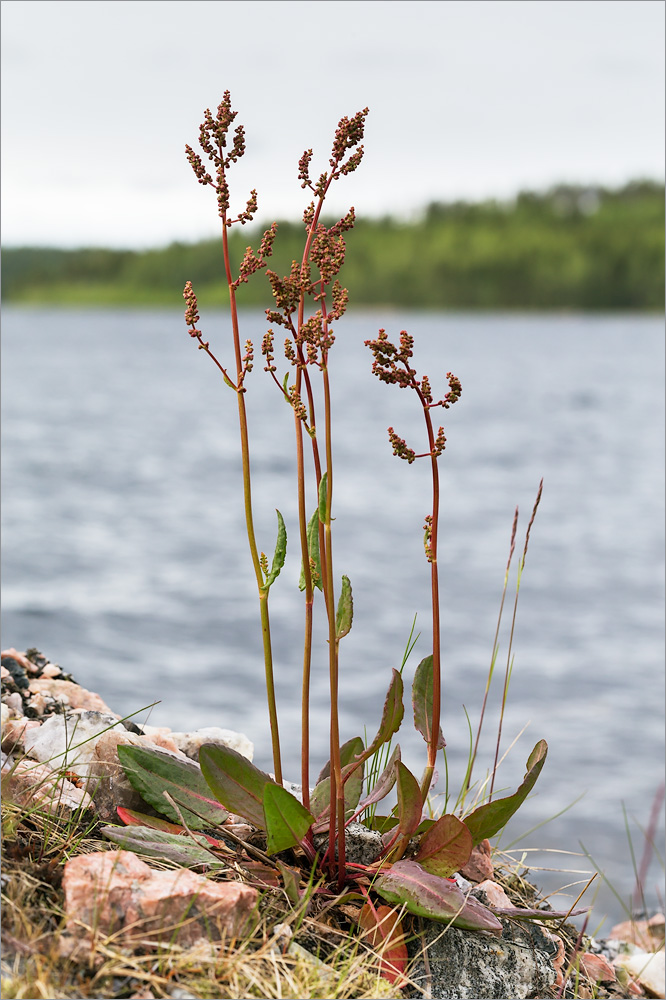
{"x":436,"y":650}
{"x":249,"y":520}
{"x":337,"y":787}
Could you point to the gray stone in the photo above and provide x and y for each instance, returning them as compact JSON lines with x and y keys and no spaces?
{"x":362,"y":846}
{"x":69,"y":740}
{"x":190,"y":743}
{"x":472,"y":965}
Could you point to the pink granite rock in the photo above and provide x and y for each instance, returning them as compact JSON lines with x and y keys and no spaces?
{"x":596,"y":968}
{"x":25,"y":784}
{"x":114,"y":892}
{"x":14,"y":730}
{"x":69,"y":694}
{"x":108,"y":783}
{"x":494,"y":894}
{"x":479,"y":866}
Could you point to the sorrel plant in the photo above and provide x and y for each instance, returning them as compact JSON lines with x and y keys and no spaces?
{"x":307,"y":304}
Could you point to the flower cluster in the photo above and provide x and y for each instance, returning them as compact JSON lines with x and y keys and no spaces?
{"x":348,"y":135}
{"x":391,"y":365}
{"x":213,"y":134}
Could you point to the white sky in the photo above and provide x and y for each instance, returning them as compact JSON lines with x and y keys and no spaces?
{"x":468,"y":98}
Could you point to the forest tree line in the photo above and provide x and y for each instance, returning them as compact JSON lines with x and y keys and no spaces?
{"x":572,"y":247}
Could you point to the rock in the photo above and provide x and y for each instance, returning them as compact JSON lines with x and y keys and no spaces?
{"x":14,"y":730}
{"x":189,"y":743}
{"x":13,"y":701}
{"x":491,"y":894}
{"x":362,"y":846}
{"x":479,"y":867}
{"x":51,"y":670}
{"x":69,"y":694}
{"x":108,"y":783}
{"x":596,"y":968}
{"x":646,"y":934}
{"x":470,"y":965}
{"x":20,"y":658}
{"x":647,"y":968}
{"x":69,"y":740}
{"x":6,"y":715}
{"x":26,"y":784}
{"x":115,"y":893}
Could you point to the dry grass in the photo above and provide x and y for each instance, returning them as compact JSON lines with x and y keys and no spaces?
{"x":33,"y":920}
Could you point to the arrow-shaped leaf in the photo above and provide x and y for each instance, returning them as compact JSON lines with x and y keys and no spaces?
{"x":313,"y":551}
{"x":422,"y":696}
{"x":152,"y":772}
{"x":158,"y":844}
{"x":383,"y":784}
{"x":407,"y":883}
{"x":490,"y":818}
{"x":286,"y":821}
{"x":280,"y":552}
{"x":445,"y":848}
{"x":323,"y":488}
{"x":392,"y":714}
{"x":345,"y":613}
{"x":352,"y":776}
{"x":410,"y":807}
{"x":237,"y":783}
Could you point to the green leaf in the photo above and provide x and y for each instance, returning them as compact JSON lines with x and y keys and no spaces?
{"x":392,"y":714}
{"x":446,"y":847}
{"x":350,"y":753}
{"x":383,"y":784}
{"x":323,"y":486}
{"x":159,"y":844}
{"x":427,"y":895}
{"x":313,"y":550}
{"x":410,"y":807}
{"x":422,"y":701}
{"x":320,"y":800}
{"x":235,"y":781}
{"x":291,"y":879}
{"x":345,"y":613}
{"x":286,"y":821}
{"x":130,"y":817}
{"x":152,"y":772}
{"x":280,"y":552}
{"x":490,"y":818}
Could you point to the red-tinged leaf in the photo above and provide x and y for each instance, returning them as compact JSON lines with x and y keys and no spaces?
{"x":130,"y":817}
{"x":352,"y":776}
{"x":410,"y":807}
{"x":262,"y":873}
{"x":383,"y":785}
{"x":158,"y":844}
{"x":422,"y":696}
{"x":235,"y":781}
{"x":407,"y":884}
{"x":392,"y":714}
{"x":492,"y":817}
{"x":384,"y":933}
{"x":350,"y":752}
{"x":446,"y":847}
{"x":152,"y":772}
{"x":286,"y":821}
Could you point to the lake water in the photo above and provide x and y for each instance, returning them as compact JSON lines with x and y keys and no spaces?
{"x":125,"y":557}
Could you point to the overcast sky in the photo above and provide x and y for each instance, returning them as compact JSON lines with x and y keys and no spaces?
{"x":468,"y":98}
